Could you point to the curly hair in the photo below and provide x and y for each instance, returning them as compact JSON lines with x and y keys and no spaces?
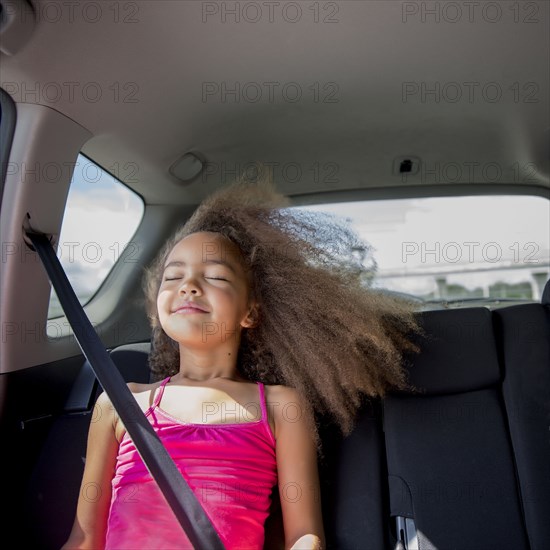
{"x":320,"y":330}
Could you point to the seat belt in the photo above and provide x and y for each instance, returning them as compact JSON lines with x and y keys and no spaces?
{"x":174,"y":487}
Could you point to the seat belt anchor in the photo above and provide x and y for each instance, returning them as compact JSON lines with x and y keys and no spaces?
{"x":29,"y":230}
{"x":406,"y":532}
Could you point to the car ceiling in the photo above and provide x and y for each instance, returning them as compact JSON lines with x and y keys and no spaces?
{"x":364,"y":57}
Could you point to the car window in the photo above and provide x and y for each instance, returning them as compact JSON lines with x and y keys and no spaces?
{"x":101,"y":216}
{"x":453,"y":248}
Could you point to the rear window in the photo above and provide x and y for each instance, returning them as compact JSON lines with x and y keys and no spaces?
{"x":101,"y":216}
{"x":454,"y":248}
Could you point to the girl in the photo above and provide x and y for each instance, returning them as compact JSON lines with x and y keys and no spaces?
{"x":259,"y":323}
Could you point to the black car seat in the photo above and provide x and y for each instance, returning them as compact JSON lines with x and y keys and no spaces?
{"x":523,"y":334}
{"x":469,"y":454}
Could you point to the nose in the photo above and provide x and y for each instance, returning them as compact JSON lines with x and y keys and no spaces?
{"x":189,"y":286}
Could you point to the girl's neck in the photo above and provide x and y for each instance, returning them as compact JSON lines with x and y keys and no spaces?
{"x":184,"y":378}
{"x":200,"y":366}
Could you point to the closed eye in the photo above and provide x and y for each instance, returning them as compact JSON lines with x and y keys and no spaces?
{"x":213,"y":278}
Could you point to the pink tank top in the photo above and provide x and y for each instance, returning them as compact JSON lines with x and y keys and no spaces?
{"x":231,"y":468}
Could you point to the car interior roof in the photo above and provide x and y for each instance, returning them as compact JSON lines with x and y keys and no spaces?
{"x":152,"y":66}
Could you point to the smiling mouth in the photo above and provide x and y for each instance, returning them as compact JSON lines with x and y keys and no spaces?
{"x":188,"y":309}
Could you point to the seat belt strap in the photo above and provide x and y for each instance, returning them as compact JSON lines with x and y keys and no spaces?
{"x":183,"y":502}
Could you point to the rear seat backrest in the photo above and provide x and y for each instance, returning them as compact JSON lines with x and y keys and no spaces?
{"x":352,"y":475}
{"x":523,"y":334}
{"x":450,"y":459}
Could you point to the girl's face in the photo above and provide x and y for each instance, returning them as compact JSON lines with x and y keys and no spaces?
{"x":204,"y":297}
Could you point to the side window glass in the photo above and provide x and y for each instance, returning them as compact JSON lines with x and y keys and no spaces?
{"x":488,"y":248}
{"x":101,"y":216}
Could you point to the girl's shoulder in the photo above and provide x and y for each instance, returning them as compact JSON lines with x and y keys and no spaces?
{"x":137,"y":387}
{"x":278,"y":392}
{"x":284,"y":404}
{"x":144,"y":395}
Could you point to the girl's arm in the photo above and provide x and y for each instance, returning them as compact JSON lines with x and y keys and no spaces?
{"x":297,"y":472}
{"x":90,"y":525}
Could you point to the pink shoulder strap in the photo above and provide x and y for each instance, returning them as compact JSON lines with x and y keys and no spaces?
{"x":160,"y":391}
{"x":263,"y":404}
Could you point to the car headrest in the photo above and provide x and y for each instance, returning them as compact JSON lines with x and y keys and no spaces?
{"x":132,"y":361}
{"x":458,"y":353}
